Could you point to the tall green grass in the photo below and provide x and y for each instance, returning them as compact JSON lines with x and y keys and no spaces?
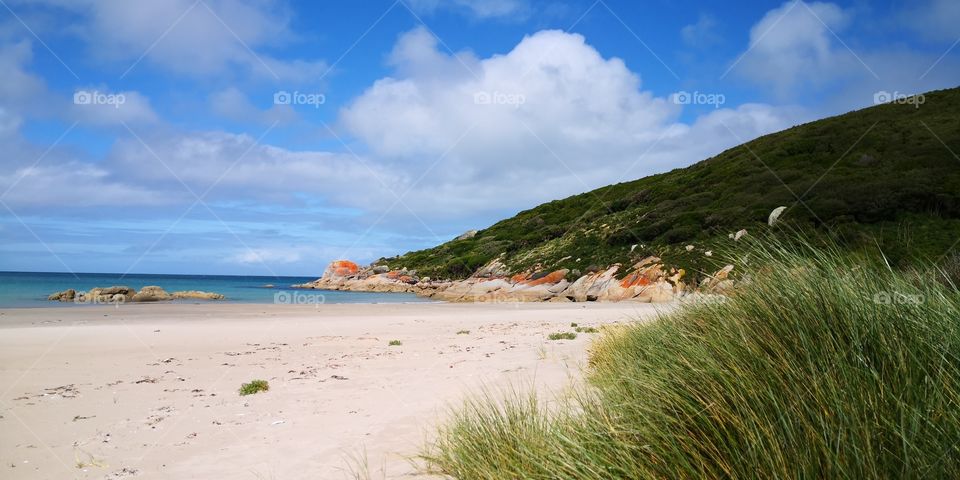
{"x":822,"y":365}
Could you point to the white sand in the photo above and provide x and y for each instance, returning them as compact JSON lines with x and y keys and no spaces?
{"x":150,"y":391}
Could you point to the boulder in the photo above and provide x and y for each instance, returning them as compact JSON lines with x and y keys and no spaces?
{"x":717,"y":278}
{"x":466,"y":235}
{"x":339,"y":269}
{"x":197,"y":295}
{"x":116,"y":290}
{"x":378,"y":269}
{"x":549,"y":278}
{"x":493,"y":269}
{"x":151,"y":293}
{"x":775,"y":216}
{"x":67,"y":295}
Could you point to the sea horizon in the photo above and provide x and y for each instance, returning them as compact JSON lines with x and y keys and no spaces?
{"x":31,"y":289}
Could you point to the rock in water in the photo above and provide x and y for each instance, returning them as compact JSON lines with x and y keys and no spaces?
{"x":65,"y":296}
{"x":151,"y":293}
{"x":197,"y":295}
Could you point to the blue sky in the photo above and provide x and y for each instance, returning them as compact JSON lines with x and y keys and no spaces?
{"x":270,"y":137}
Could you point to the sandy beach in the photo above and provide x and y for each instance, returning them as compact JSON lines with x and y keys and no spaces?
{"x":151,"y":391}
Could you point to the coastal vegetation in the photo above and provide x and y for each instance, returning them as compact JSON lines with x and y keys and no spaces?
{"x":255,"y":386}
{"x":826,"y":364}
{"x":882,"y":176}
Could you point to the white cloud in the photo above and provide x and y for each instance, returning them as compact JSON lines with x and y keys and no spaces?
{"x":794,"y":44}
{"x":21,"y":89}
{"x":265,"y":255}
{"x":482,"y":9}
{"x":555,"y":118}
{"x":794,"y":51}
{"x":700,"y":34}
{"x":234,"y":105}
{"x":101,"y":107}
{"x":936,"y":20}
{"x":193,"y":38}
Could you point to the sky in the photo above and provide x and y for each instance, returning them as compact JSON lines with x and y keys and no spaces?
{"x":269,"y":137}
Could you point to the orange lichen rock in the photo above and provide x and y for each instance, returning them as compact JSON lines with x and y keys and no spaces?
{"x":519,"y":277}
{"x":550,"y":278}
{"x":340,"y":269}
{"x":344,"y":268}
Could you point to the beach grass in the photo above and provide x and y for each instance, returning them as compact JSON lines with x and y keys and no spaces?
{"x":562,"y":336}
{"x":255,"y":386}
{"x":463,"y":332}
{"x":394,"y":343}
{"x":586,"y":330}
{"x":822,"y":365}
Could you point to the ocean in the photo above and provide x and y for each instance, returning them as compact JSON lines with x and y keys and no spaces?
{"x":30,"y":289}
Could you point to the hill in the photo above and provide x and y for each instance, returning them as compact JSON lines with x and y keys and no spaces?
{"x":883,"y":176}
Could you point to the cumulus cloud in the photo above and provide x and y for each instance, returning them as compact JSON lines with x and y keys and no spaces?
{"x":794,"y":44}
{"x":552,"y":109}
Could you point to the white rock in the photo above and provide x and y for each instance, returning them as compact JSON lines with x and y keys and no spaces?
{"x":775,"y":215}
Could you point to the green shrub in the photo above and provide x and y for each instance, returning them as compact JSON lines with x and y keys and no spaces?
{"x":826,"y":365}
{"x":395,"y":343}
{"x":586,"y":330}
{"x":255,"y":386}
{"x":562,"y":336}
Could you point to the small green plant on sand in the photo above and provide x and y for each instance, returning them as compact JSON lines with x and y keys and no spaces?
{"x":562,"y":336}
{"x":573,"y":325}
{"x":463,"y":332}
{"x":255,"y":386}
{"x":395,"y":343}
{"x":586,"y":330}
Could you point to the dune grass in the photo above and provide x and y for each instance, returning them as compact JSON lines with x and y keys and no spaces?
{"x":394,"y":343}
{"x":562,"y":336}
{"x":824,"y":365}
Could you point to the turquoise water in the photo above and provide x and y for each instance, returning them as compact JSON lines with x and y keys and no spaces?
{"x":30,"y":289}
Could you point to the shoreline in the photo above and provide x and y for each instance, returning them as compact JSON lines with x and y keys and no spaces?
{"x":152,"y":388}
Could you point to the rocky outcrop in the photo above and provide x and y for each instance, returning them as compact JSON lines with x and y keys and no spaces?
{"x":117,"y":294}
{"x":646,"y":281}
{"x":68,"y":295}
{"x":196,"y":295}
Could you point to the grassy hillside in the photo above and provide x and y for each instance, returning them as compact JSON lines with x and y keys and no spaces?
{"x":882,"y":176}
